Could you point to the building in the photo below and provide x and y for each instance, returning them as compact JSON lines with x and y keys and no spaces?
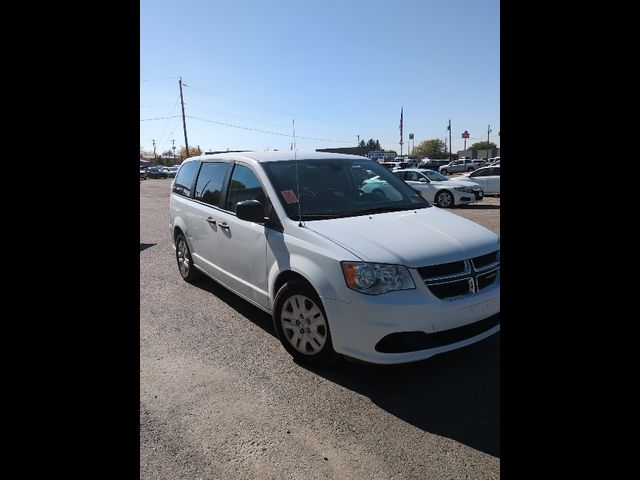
{"x":475,"y":154}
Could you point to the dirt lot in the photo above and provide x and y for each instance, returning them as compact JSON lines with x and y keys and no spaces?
{"x":221,"y":399}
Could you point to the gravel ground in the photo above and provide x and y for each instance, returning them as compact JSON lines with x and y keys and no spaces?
{"x":220,"y":397}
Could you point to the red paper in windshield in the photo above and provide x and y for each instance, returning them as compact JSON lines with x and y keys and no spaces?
{"x":289,"y":196}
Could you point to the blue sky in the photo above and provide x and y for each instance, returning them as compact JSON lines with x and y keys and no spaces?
{"x":340,"y":68}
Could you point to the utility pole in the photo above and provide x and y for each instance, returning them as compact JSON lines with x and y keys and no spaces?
{"x":155,"y":158}
{"x":173,"y":142}
{"x":358,"y":139}
{"x":184,"y":121}
{"x":450,"y":144}
{"x":488,"y":132}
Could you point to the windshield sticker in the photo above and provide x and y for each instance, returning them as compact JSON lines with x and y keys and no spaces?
{"x":289,"y":196}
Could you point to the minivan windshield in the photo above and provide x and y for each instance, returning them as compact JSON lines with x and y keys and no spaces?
{"x":335,"y":188}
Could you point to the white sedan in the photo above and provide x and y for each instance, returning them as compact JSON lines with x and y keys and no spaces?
{"x":440,"y":190}
{"x":488,"y":178}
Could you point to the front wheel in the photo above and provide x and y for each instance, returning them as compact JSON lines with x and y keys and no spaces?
{"x":301,"y":324}
{"x":445,"y":172}
{"x":444,"y":199}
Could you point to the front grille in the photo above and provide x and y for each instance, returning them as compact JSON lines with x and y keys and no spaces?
{"x":462,"y":277}
{"x":486,"y":279}
{"x":451,"y":289}
{"x":442,"y":270}
{"x":402,"y":342}
{"x":484,"y":260}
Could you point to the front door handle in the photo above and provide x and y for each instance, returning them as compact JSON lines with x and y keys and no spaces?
{"x":224,"y":225}
{"x":211,"y":221}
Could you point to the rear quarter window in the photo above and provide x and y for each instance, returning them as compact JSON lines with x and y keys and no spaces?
{"x":183,"y":184}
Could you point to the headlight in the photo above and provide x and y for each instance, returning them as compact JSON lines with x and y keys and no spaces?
{"x":376,"y":278}
{"x":464,"y":189}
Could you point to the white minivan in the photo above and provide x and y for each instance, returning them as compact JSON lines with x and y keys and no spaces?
{"x":381,"y":277}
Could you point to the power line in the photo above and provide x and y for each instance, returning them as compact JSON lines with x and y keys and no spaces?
{"x":237,"y":100}
{"x":157,"y":118}
{"x":159,"y":79}
{"x":158,"y":105}
{"x":265,"y":131}
{"x":175,"y":104}
{"x":276,"y":110}
{"x":266,"y":123}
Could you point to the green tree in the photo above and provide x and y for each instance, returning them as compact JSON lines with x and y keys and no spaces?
{"x":371,"y":146}
{"x":483,"y":145}
{"x":433,"y":148}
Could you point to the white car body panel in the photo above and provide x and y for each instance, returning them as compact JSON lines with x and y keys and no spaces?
{"x":248,"y":258}
{"x":490,"y":183}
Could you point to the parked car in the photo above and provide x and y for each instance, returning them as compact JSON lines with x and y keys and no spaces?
{"x":156,"y":172}
{"x":383,"y":279}
{"x":433,"y":164}
{"x":143,"y":174}
{"x":439,"y":190}
{"x":392,"y":165}
{"x":464,"y":165}
{"x":488,"y":178}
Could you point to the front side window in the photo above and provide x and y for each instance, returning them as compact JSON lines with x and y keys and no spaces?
{"x":496,"y":171}
{"x":210,"y":181}
{"x":412,"y":176}
{"x":435,"y":176}
{"x":183,"y":183}
{"x":244,"y":185}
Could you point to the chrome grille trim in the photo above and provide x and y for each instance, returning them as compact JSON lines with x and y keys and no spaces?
{"x":474,"y":275}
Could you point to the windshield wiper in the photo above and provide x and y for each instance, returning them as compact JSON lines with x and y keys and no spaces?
{"x":369,"y":211}
{"x":319,"y":216}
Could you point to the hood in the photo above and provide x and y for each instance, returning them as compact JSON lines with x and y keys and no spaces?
{"x":413,"y":238}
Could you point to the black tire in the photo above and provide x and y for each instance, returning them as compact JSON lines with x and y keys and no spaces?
{"x":445,"y":172}
{"x":313,"y":343}
{"x":188,"y":272}
{"x":444,"y":199}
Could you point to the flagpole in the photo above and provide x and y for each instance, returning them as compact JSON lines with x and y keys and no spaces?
{"x":450,"y":144}
{"x":401,"y":142}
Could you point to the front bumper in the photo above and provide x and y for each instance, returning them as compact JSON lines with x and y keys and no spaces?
{"x":464,"y":198}
{"x":358,"y":326}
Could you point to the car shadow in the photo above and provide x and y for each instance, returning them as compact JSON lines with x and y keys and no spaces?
{"x":479,"y":206}
{"x":455,"y":395}
{"x":259,"y":317}
{"x":144,"y":246}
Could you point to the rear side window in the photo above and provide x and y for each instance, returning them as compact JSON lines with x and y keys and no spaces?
{"x":496,"y":171}
{"x":210,"y":181}
{"x":183,"y":183}
{"x":244,"y":185}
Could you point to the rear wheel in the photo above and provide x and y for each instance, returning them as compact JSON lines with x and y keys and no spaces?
{"x":444,"y":199}
{"x":185,"y":264}
{"x":301,"y":324}
{"x":445,"y":172}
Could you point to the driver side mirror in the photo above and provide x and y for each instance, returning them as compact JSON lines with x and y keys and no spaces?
{"x":250,"y":210}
